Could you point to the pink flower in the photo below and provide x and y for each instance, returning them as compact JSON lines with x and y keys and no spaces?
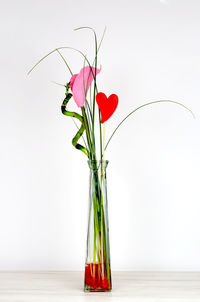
{"x":80,"y":83}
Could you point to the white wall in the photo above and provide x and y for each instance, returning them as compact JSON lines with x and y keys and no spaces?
{"x":151,"y":51}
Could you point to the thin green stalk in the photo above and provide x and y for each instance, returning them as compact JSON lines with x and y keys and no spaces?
{"x":94,"y":94}
{"x":86,"y":27}
{"x":88,"y":113}
{"x":103,"y":230}
{"x":85,"y":94}
{"x":102,"y":243}
{"x":105,"y":251}
{"x":90,"y":207}
{"x":58,"y":84}
{"x":88,"y":109}
{"x":94,"y":76}
{"x":100,"y":135}
{"x":96,"y":219}
{"x":101,"y":39}
{"x":90,"y":97}
{"x":94,"y":250}
{"x":87,"y":131}
{"x":150,"y":103}
{"x":56,"y":50}
{"x":65,"y":62}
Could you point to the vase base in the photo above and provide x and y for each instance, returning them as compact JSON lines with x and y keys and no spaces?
{"x":91,"y":290}
{"x":94,"y":281}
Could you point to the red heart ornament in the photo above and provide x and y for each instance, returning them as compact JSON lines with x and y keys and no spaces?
{"x":107,"y":106}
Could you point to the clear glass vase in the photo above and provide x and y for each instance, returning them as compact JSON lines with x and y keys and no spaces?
{"x":97,"y":266}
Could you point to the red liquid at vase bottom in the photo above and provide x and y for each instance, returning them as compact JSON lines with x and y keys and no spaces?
{"x":96,"y":278}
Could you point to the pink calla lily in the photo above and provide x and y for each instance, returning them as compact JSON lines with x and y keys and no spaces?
{"x":80,"y":83}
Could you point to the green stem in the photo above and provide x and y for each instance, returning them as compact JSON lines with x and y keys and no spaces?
{"x":94,"y":251}
{"x":65,"y":62}
{"x":94,"y":76}
{"x":100,"y":138}
{"x":94,"y":95}
{"x":105,"y":247}
{"x":87,"y":131}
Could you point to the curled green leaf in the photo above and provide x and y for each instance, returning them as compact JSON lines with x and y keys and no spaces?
{"x":77,"y":116}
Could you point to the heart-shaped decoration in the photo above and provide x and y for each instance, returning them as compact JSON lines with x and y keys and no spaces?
{"x":107,"y":106}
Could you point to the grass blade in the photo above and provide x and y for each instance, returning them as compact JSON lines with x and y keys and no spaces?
{"x":150,"y":103}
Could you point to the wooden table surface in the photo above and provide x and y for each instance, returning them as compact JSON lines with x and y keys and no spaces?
{"x":59,"y":286}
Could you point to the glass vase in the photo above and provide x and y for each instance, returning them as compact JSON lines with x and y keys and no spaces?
{"x":97,"y":265}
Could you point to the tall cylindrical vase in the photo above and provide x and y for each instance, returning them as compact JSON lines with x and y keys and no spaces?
{"x":97,"y":266}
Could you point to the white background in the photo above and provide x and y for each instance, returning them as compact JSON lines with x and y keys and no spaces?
{"x":151,"y":51}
